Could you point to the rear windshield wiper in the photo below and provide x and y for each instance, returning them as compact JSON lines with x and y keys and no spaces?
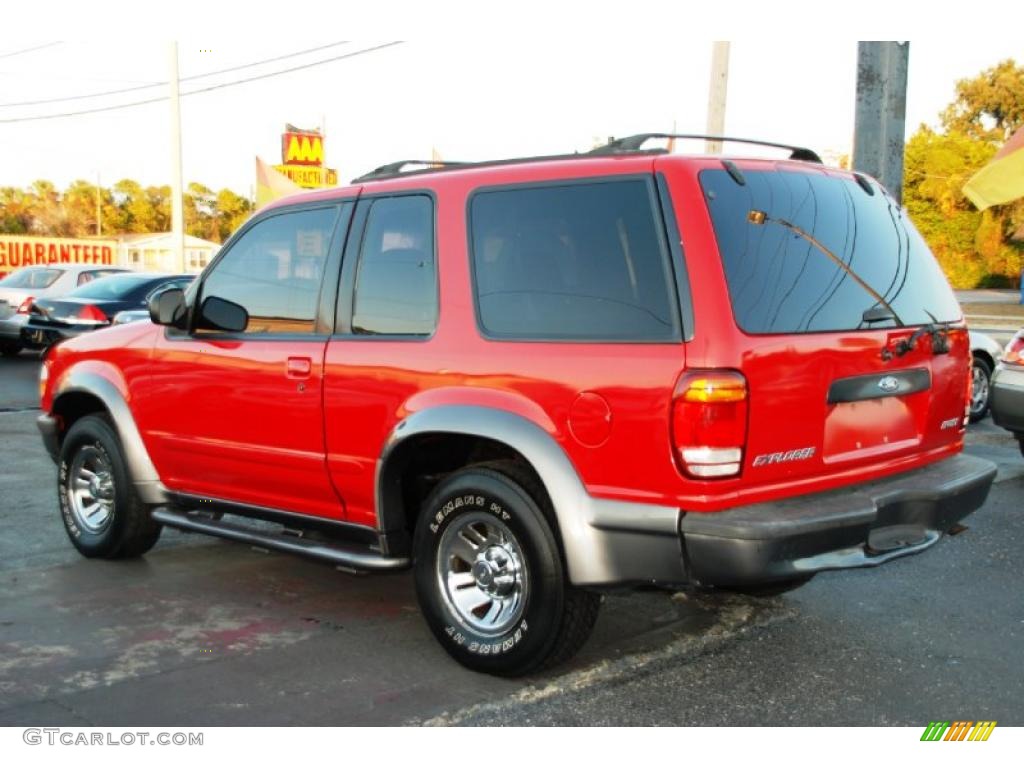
{"x":938,"y":331}
{"x":872,"y":314}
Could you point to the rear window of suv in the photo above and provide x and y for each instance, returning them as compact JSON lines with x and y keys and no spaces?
{"x":782,"y":282}
{"x":582,"y":261}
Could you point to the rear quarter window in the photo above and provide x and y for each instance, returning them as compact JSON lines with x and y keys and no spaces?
{"x":780,"y":282}
{"x":582,"y":261}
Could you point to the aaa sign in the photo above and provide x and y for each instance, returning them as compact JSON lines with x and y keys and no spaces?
{"x":301,"y":148}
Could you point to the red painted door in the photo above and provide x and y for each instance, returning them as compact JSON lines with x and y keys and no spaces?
{"x":238,"y":416}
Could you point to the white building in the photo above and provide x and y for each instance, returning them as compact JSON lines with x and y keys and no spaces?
{"x":154,"y":252}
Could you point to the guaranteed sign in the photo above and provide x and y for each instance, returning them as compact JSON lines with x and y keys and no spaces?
{"x":19,"y":251}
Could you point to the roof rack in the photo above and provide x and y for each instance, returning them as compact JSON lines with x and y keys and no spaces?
{"x":395,"y":169}
{"x":626,"y":145}
{"x":635,"y":143}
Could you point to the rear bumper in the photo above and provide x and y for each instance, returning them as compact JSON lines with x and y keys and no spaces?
{"x":1007,"y":402}
{"x":36,"y":336}
{"x":10,"y":328}
{"x":852,"y":527}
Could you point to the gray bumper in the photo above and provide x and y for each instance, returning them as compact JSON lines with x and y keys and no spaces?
{"x":852,"y":527}
{"x":10,"y":328}
{"x":1008,"y":398}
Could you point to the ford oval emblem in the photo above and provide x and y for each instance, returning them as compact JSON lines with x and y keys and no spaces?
{"x":888,"y":384}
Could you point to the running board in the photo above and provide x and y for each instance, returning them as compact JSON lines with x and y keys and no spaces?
{"x":338,"y":554}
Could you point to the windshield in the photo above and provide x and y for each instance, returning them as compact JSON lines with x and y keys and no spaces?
{"x":113,"y":287}
{"x":32,"y":278}
{"x":782,"y":281}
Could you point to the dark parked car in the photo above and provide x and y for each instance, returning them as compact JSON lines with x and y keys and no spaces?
{"x":92,"y":306}
{"x":19,"y":289}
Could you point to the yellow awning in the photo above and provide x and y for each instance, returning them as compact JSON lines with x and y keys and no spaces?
{"x":1002,"y":180}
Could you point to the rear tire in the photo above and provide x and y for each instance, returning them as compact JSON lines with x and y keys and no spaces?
{"x":981,"y":388}
{"x":103,"y":516}
{"x":490,"y":577}
{"x":10,"y":348}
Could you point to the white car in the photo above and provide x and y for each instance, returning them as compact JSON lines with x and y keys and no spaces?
{"x":985,"y":351}
{"x":19,"y":289}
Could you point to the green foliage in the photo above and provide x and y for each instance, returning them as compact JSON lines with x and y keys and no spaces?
{"x":125,"y":208}
{"x":989,"y":106}
{"x":975,"y":249}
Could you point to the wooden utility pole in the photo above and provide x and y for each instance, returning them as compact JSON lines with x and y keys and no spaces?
{"x":177,"y":191}
{"x":880,"y":121}
{"x":717,"y":94}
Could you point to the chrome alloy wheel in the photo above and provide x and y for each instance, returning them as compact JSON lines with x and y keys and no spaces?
{"x":482,"y":574}
{"x":979,"y":388}
{"x":90,"y":489}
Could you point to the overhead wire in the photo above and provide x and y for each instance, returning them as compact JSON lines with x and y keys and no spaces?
{"x":29,"y":50}
{"x":204,"y":75}
{"x":156,"y":99}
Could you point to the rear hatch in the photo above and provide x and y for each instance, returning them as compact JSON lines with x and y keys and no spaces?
{"x":849,"y":357}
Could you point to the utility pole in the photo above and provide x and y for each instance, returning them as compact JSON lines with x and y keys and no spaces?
{"x":177,"y":211}
{"x":716,"y":95}
{"x":99,"y":225}
{"x":880,"y":122}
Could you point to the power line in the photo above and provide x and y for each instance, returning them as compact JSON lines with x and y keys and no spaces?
{"x":164,"y":82}
{"x":29,"y":50}
{"x":202,"y":90}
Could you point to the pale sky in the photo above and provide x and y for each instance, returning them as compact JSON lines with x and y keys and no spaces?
{"x":471,"y":98}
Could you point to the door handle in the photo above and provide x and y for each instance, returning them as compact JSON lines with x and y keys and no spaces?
{"x":299,"y":367}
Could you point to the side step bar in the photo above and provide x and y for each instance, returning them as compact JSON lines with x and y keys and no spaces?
{"x":339,"y":554}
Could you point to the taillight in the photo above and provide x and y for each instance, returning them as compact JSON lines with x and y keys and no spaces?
{"x":709,"y":423}
{"x":25,"y":306}
{"x":91,"y":315}
{"x":1014,"y":352}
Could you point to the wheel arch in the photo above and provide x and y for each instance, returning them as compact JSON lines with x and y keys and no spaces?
{"x":82,"y":391}
{"x":597,"y":535}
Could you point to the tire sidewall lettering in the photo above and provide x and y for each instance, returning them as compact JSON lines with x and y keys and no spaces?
{"x":479,"y":502}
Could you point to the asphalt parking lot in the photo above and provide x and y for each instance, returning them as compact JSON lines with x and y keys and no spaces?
{"x":205,"y":632}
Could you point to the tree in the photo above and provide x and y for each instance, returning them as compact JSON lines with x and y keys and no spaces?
{"x":15,"y":211}
{"x":990,"y":106}
{"x":232,"y":211}
{"x":974,"y":248}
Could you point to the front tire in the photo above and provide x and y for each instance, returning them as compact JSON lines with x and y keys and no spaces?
{"x":102,"y":514}
{"x":981,"y":388}
{"x":490,"y":578}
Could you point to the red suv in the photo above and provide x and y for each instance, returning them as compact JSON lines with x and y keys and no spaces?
{"x":529,"y":380}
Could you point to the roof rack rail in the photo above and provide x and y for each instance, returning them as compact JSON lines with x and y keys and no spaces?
{"x":635,"y":143}
{"x":396,"y":168}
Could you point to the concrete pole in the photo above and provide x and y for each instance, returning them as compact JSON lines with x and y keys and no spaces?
{"x":881,"y":111}
{"x":177,"y":191}
{"x":716,"y":95}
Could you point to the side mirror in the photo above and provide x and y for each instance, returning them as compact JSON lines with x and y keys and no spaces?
{"x":168,"y":308}
{"x":217,"y":314}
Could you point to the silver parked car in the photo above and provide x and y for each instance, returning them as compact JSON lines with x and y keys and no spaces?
{"x":19,"y":289}
{"x":1008,"y":389}
{"x":985,"y":352}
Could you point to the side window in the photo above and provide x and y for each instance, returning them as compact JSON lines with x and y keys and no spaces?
{"x":275,"y":270}
{"x":395,"y":289}
{"x":584,"y":261}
